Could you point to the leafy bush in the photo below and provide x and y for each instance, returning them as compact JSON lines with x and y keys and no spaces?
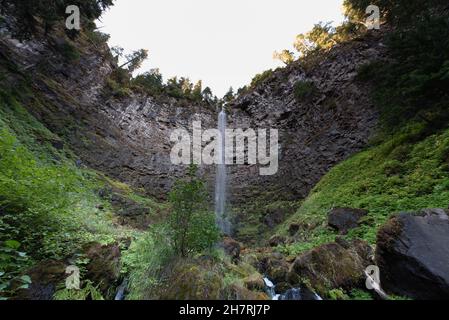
{"x":321,"y":37}
{"x":98,"y":37}
{"x":304,"y":90}
{"x":338,"y":294}
{"x":261,"y":77}
{"x":413,"y":84}
{"x":192,"y":227}
{"x":145,"y":261}
{"x":88,"y":292}
{"x":358,"y":294}
{"x":369,"y":180}
{"x":46,"y":202}
{"x":12,"y":263}
{"x":69,"y":51}
{"x":150,"y":82}
{"x":48,"y":13}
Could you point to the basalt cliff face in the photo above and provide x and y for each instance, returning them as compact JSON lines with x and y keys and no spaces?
{"x":128,"y":137}
{"x":316,"y":133}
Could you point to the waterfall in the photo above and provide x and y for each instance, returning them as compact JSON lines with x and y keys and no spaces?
{"x":270,"y":289}
{"x":220,"y":185}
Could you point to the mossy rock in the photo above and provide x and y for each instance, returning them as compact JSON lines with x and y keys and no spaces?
{"x":332,"y":266}
{"x":254,"y":282}
{"x":237,"y":292}
{"x":191,"y":281}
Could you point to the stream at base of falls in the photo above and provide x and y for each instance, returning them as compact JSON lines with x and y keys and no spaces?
{"x":301,"y":293}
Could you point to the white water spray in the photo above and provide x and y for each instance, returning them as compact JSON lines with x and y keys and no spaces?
{"x":221,"y":179}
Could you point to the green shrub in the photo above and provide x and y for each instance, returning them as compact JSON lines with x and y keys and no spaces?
{"x":304,"y":90}
{"x":149,"y":82}
{"x":116,"y":89}
{"x":189,"y":230}
{"x":12,"y":264}
{"x":337,"y":294}
{"x":88,"y":292}
{"x":46,"y":202}
{"x":192,"y":226}
{"x":145,"y":261}
{"x":97,"y":37}
{"x":69,"y":51}
{"x":50,"y":208}
{"x":261,"y":77}
{"x":376,"y":181}
{"x":358,"y":294}
{"x":413,"y":84}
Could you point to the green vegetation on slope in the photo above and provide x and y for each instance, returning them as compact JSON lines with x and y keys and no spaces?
{"x":407,"y":168}
{"x":47,"y":203}
{"x":189,"y":230}
{"x":49,"y":207}
{"x":407,"y":172}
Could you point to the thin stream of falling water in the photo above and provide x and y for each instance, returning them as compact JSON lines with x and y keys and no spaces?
{"x":221,"y":179}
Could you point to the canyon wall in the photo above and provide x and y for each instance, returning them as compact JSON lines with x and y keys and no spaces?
{"x":128,"y":137}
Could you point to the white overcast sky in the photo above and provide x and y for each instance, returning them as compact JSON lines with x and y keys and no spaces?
{"x":222,"y":42}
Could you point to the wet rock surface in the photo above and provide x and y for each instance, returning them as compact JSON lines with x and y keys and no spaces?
{"x":412,"y":255}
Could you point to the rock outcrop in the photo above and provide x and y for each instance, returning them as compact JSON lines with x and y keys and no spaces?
{"x":413,"y":255}
{"x":314,"y":134}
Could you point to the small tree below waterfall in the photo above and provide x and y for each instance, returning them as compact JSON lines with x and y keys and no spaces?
{"x":192,"y":226}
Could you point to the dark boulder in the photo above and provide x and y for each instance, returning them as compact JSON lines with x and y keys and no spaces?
{"x":344,"y":219}
{"x":189,"y":279}
{"x":283,"y":287}
{"x":413,"y":255}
